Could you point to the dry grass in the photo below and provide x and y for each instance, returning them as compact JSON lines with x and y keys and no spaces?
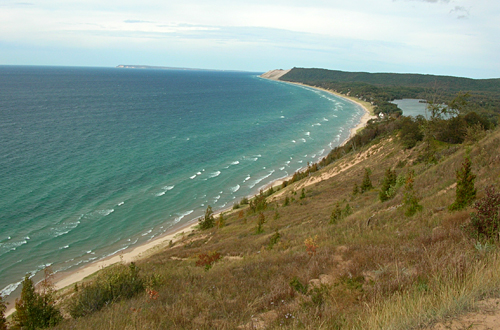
{"x":374,"y":269}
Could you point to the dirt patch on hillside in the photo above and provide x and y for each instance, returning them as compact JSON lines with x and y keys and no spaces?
{"x":487,"y":317}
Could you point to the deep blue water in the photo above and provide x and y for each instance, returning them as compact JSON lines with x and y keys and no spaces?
{"x":96,"y":160}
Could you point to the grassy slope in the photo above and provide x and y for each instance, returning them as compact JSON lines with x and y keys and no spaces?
{"x":379,"y":269}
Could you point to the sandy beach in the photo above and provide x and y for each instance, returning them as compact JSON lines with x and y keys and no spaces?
{"x":65,"y":279}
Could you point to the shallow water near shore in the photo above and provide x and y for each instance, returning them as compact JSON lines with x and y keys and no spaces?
{"x":96,"y":160}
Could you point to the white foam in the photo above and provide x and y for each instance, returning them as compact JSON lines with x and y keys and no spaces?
{"x":235,"y":163}
{"x":121,"y":203}
{"x":324,"y":119}
{"x":164,"y":190}
{"x":308,"y":133}
{"x":192,"y":177}
{"x":214,"y":174}
{"x":198,"y":173}
{"x":235,"y":188}
{"x":182,"y":215}
{"x":294,"y":141}
{"x":66,"y":228}
{"x":6,"y":247}
{"x":282,"y":168}
{"x":64,"y":247}
{"x":303,"y":140}
{"x":317,"y":124}
{"x":260,"y":180}
{"x":247,"y":178}
{"x":300,"y":162}
{"x":282,"y":117}
{"x":106,"y":212}
{"x":9,"y":289}
{"x":148,"y":232}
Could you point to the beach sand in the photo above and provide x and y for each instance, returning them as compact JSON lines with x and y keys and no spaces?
{"x":66,"y":279}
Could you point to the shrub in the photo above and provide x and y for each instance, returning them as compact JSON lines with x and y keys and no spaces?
{"x":207,"y":259}
{"x":273,"y":240}
{"x":367,"y":183}
{"x":113,"y":284}
{"x":287,"y":201}
{"x":36,"y":310}
{"x":465,"y":193}
{"x":257,"y":204}
{"x":303,"y":194}
{"x":298,"y":286}
{"x":485,"y":222}
{"x":207,"y":221}
{"x":3,"y":308}
{"x":311,"y":245}
{"x":338,"y":213}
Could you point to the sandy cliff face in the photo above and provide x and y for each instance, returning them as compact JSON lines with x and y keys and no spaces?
{"x":274,"y":74}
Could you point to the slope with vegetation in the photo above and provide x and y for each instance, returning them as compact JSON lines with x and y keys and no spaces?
{"x":380,"y":88}
{"x":396,"y":229}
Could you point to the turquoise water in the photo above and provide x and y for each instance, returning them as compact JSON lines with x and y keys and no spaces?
{"x":96,"y":160}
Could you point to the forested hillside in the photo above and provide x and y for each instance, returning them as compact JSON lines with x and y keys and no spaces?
{"x":379,"y":88}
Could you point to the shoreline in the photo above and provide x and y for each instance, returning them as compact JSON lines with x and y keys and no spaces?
{"x":63,"y":280}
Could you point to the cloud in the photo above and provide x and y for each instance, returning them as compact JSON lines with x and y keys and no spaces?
{"x":433,"y":1}
{"x":133,"y":21}
{"x":16,"y":4}
{"x":460,"y":11}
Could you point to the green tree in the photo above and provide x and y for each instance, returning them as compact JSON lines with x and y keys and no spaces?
{"x":207,"y":221}
{"x":387,"y":184}
{"x":367,"y":183}
{"x":3,"y":308}
{"x":260,"y":223}
{"x":221,"y":222}
{"x":410,"y":132}
{"x":410,"y":200}
{"x":466,"y":192}
{"x":36,"y":310}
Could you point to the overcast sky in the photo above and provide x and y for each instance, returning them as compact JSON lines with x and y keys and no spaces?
{"x":450,"y":37}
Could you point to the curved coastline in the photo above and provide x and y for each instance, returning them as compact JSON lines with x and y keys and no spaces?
{"x":63,"y":280}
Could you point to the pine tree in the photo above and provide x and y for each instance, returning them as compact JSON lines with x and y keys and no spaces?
{"x":367,"y":183}
{"x":410,"y":200}
{"x":36,"y":310}
{"x":466,"y":192}
{"x":355,"y":190}
{"x":207,"y":221}
{"x":389,"y":181}
{"x":221,"y":222}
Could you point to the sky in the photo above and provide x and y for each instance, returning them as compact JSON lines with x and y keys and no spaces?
{"x":443,"y":37}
